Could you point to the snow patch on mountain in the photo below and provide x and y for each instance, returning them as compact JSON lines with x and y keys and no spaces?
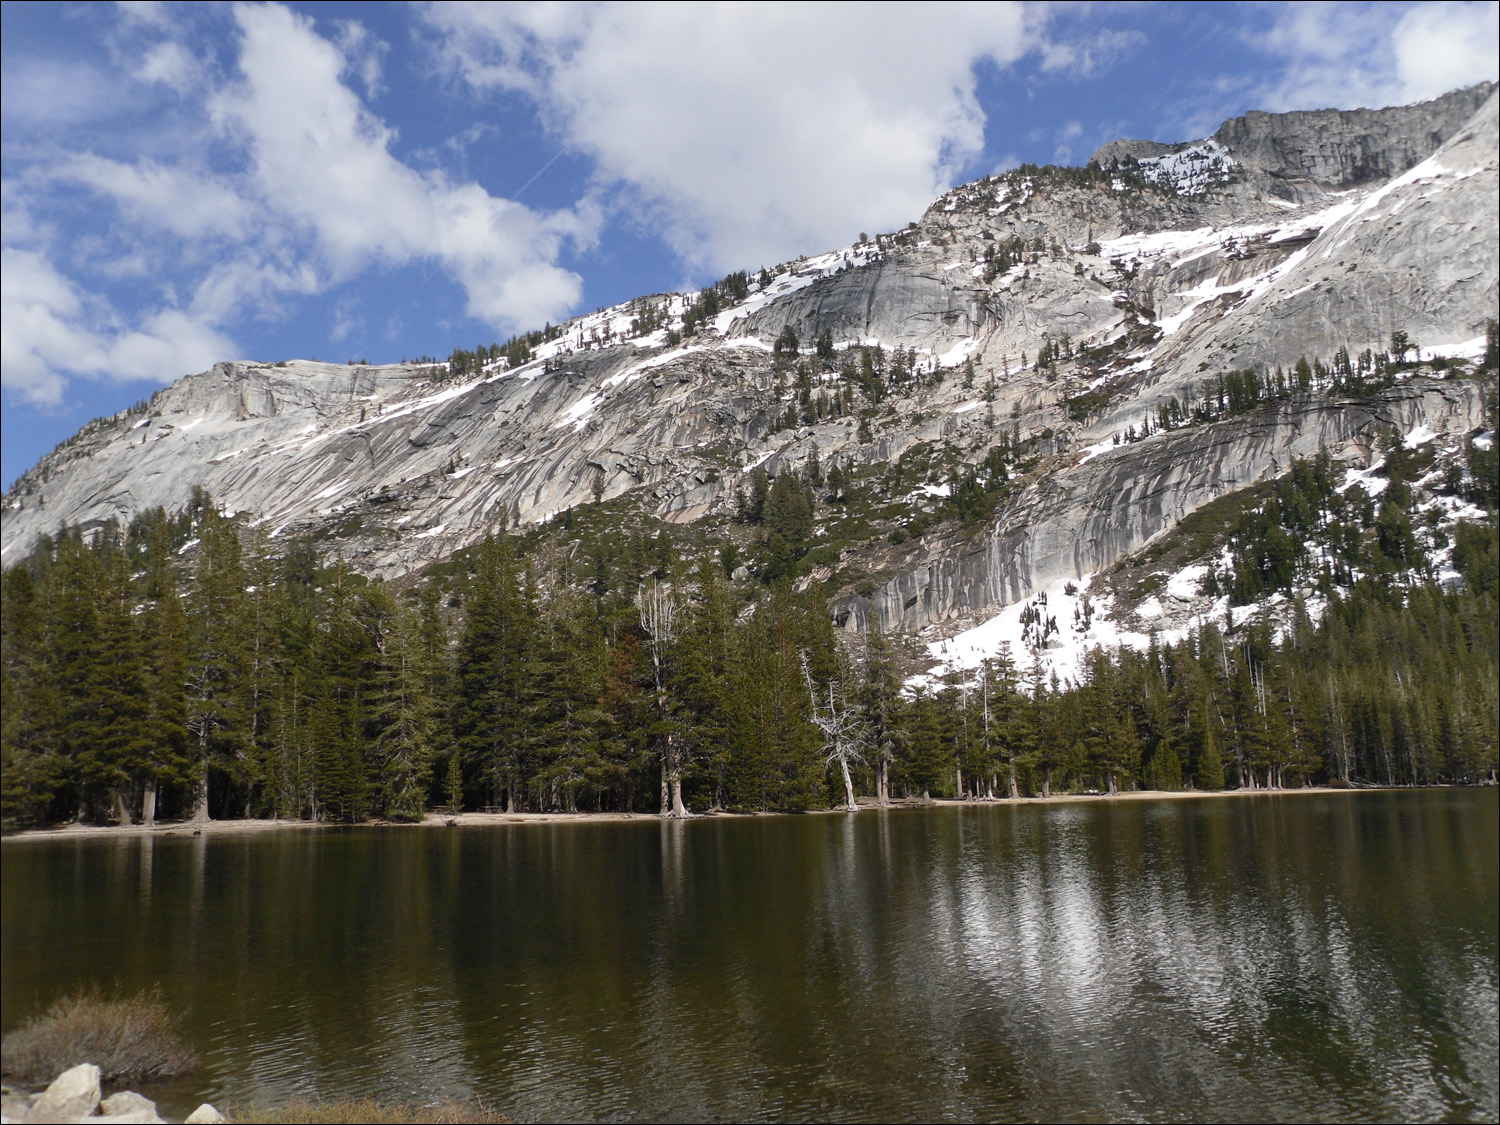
{"x":1056,"y":628}
{"x":1192,"y":170}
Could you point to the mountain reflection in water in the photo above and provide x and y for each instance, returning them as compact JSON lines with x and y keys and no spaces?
{"x":1292,"y":957}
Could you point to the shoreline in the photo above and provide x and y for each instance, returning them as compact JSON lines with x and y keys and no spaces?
{"x":190,"y":828}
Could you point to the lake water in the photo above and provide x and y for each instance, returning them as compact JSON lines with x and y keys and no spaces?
{"x":1293,"y":957}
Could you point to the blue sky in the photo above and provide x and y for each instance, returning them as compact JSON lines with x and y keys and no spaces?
{"x":190,"y":183}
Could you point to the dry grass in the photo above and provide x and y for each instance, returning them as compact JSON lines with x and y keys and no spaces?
{"x":368,"y":1111}
{"x":127,"y":1037}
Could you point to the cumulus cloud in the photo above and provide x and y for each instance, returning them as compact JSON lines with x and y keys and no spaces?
{"x":1373,"y":55}
{"x":51,"y":329}
{"x":1440,"y":46}
{"x":321,"y":160}
{"x":742,"y":135}
{"x":746,"y":134}
{"x":311,"y":197}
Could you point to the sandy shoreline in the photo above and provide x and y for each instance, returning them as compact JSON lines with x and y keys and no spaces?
{"x":479,"y":819}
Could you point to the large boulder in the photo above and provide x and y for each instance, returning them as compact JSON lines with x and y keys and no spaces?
{"x":205,"y":1114}
{"x":128,"y":1108}
{"x":75,"y":1093}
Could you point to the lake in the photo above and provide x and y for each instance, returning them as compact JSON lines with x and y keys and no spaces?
{"x":1327,"y":956}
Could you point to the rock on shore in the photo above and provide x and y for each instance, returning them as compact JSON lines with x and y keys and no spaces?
{"x":75,"y":1096}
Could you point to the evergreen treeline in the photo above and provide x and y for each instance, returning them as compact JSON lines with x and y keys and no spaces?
{"x":1312,"y":531}
{"x":1234,"y":393}
{"x":182,"y":666}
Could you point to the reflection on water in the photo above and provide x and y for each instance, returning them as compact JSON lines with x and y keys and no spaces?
{"x":1282,"y":957}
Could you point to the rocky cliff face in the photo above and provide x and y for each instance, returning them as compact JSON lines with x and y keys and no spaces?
{"x":1083,"y":520}
{"x":1279,"y":237}
{"x":1312,"y":152}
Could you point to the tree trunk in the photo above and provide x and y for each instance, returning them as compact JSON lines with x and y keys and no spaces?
{"x":1109,"y":777}
{"x":882,"y":785}
{"x":926,"y":796}
{"x":200,"y":806}
{"x":960,"y":774}
{"x":1046,"y":783}
{"x":853,"y":805}
{"x":148,"y":802}
{"x":1015,"y":792}
{"x":122,"y":807}
{"x":671,"y":780}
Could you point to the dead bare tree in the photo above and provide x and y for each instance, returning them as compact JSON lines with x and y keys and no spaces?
{"x":844,"y":731}
{"x":658,"y":612}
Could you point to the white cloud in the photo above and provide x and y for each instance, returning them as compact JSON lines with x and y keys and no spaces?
{"x":1441,"y":46}
{"x":171,"y":198}
{"x":1089,"y":52}
{"x":1372,"y":55}
{"x":170,"y":64}
{"x":746,"y":134}
{"x":321,"y":161}
{"x":344,"y":322}
{"x":40,"y":95}
{"x":51,"y":329}
{"x":364,"y":55}
{"x":316,"y":196}
{"x":1067,"y":138}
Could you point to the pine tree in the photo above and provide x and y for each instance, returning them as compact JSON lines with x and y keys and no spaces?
{"x":929,"y":756}
{"x":705,"y":675}
{"x":163,"y":627}
{"x":76,"y":657}
{"x":1208,"y":770}
{"x":564,"y":718}
{"x":217,"y":656}
{"x":880,"y":701}
{"x":493,"y":665}
{"x":404,"y":714}
{"x":118,"y":750}
{"x":31,"y":714}
{"x":344,"y":688}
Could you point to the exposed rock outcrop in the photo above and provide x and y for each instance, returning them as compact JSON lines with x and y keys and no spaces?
{"x":1280,"y":236}
{"x":1310,"y":152}
{"x":1082,"y":522}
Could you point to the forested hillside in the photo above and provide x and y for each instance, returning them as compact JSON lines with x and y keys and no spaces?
{"x":185,"y":665}
{"x":1173,"y":470}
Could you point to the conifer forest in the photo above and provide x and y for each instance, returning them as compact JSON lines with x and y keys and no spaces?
{"x":191,"y":665}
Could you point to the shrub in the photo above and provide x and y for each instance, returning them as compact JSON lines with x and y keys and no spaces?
{"x":126,"y":1037}
{"x":368,"y":1111}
